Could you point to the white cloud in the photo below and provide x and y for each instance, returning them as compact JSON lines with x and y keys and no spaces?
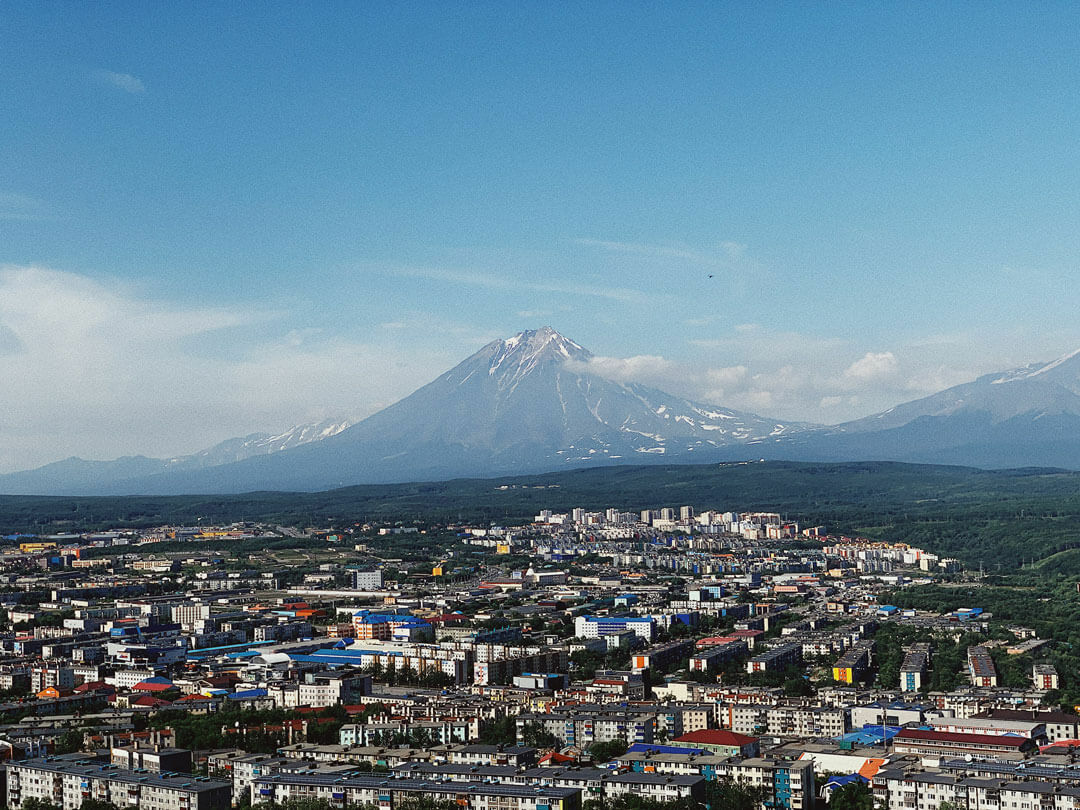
{"x":97,"y":368}
{"x":832,"y":402}
{"x":825,"y":378}
{"x":644,"y":368}
{"x":872,"y":366}
{"x":124,"y":81}
{"x":731,"y":375}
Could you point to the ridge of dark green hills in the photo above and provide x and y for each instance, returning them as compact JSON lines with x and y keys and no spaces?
{"x":996,"y":516}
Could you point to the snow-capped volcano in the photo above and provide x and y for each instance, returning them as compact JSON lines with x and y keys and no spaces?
{"x":534,"y":402}
{"x":529,"y":403}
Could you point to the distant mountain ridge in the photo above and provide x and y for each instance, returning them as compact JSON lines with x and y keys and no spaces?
{"x":1024,"y":417}
{"x":531,"y":403}
{"x":72,"y":475}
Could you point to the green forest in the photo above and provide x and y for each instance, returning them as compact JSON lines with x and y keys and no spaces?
{"x":1049,"y":606}
{"x":997,"y":518}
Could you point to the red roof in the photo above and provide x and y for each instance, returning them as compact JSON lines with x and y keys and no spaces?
{"x":716,"y":736}
{"x":94,"y":686}
{"x":154,"y":684}
{"x":555,"y":756}
{"x":149,"y":700}
{"x":446,"y":618}
{"x":915,"y":734}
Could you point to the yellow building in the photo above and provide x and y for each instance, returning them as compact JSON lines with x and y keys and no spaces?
{"x":32,"y":548}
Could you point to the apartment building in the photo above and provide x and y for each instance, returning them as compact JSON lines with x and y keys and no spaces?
{"x":948,"y":744}
{"x":776,"y":658}
{"x":715,"y":656}
{"x":1045,"y":676}
{"x":599,"y":626}
{"x":914,"y":667}
{"x":805,"y":721}
{"x":899,"y":788}
{"x":662,"y":656}
{"x":320,"y":689}
{"x":1059,"y":725}
{"x":584,"y":729}
{"x":69,"y":782}
{"x":46,"y":676}
{"x":853,"y":664}
{"x":367,"y":580}
{"x":788,"y":784}
{"x":981,"y":667}
{"x":381,"y":792}
{"x":152,"y":758}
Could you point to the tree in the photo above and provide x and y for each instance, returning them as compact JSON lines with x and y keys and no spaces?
{"x":502,"y":731}
{"x":1051,"y":698}
{"x":97,"y":804}
{"x":607,"y":751}
{"x":69,"y":742}
{"x":533,"y":734}
{"x":853,"y":796}
{"x":798,"y":687}
{"x":732,"y":795}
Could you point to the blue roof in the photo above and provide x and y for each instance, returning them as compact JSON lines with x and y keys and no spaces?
{"x":846,"y":779}
{"x":203,"y":652}
{"x":333,"y":657}
{"x":247,"y":694}
{"x":870,"y":735}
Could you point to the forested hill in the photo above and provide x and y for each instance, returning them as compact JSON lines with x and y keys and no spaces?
{"x":995,"y":516}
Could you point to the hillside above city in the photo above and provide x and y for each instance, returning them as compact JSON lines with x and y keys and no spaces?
{"x":1003,"y":516}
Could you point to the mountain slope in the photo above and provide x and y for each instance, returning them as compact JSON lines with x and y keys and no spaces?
{"x":76,"y":475}
{"x":1024,"y":417}
{"x":525,"y":404}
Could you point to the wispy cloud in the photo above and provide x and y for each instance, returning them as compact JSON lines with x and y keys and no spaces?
{"x":21,"y":208}
{"x":99,"y":368}
{"x":124,"y":81}
{"x":491,"y":281}
{"x":726,"y":251}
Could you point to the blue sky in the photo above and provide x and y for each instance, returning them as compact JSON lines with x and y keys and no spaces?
{"x":222,"y":218}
